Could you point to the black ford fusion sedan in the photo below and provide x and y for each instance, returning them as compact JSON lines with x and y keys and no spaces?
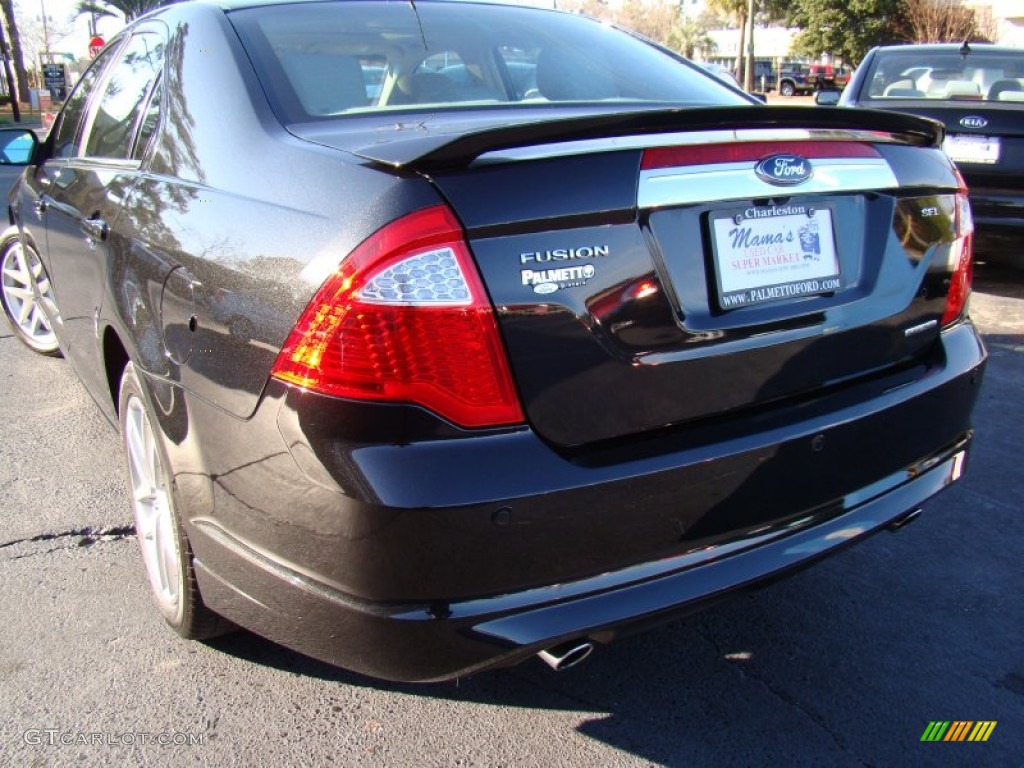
{"x":438,"y":337}
{"x":977,"y":92}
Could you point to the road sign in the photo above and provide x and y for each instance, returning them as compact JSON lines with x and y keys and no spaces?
{"x":95,"y":46}
{"x":54,"y":78}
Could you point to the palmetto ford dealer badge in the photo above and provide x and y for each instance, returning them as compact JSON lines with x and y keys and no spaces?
{"x":554,"y":270}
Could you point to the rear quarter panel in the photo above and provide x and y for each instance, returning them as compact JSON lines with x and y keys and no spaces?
{"x":234,"y":221}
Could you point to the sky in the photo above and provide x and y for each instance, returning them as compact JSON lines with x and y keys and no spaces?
{"x":60,"y":19}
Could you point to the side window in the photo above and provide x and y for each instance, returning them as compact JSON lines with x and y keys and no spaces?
{"x":124,"y":96}
{"x":67,"y":130}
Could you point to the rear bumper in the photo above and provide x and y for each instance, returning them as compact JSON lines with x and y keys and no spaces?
{"x":438,"y":641}
{"x":457,"y":566}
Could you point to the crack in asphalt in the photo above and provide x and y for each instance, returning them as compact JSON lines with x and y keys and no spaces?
{"x":792,"y":701}
{"x":67,"y":548}
{"x":86,"y":536}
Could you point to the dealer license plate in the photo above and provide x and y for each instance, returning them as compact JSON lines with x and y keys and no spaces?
{"x":774,"y":253}
{"x":972,"y":149}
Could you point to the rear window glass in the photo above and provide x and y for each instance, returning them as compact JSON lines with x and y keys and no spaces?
{"x":947,"y":76}
{"x":321,"y":60}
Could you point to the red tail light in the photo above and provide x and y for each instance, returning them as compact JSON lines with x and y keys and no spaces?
{"x":961,"y":259}
{"x":405,"y":318}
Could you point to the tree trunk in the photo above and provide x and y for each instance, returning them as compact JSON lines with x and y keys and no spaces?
{"x":16,"y":54}
{"x":741,"y":56}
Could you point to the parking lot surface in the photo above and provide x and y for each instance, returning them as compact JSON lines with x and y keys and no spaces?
{"x":843,"y":664}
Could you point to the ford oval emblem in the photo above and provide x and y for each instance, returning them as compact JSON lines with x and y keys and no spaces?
{"x":784,"y":170}
{"x":973,"y":121}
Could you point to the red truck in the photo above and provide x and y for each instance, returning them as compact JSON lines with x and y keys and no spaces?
{"x":796,"y":78}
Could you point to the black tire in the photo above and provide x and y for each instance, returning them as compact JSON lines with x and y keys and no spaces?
{"x":23,"y":275}
{"x":166,"y":551}
{"x":787,"y":88}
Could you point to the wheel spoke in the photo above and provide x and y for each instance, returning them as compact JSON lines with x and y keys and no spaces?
{"x":137,"y":450}
{"x":18,"y":257}
{"x":22,"y":294}
{"x":166,"y":554}
{"x":25,"y":311}
{"x":16,"y":275}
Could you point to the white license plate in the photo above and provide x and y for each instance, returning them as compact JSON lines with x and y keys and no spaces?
{"x":972,"y":149}
{"x":773,"y":253}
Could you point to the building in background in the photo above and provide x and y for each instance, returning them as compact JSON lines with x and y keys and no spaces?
{"x":1007,"y":19}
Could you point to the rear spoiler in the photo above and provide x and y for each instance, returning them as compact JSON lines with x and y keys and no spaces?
{"x":426,"y":152}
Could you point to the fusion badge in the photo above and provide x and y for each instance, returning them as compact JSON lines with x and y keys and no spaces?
{"x":784,"y":170}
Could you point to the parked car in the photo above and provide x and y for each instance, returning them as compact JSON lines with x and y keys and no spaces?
{"x":796,"y":78}
{"x":977,"y":92}
{"x":793,"y":79}
{"x":486,"y":366}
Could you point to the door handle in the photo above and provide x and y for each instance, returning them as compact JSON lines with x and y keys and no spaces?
{"x":95,"y":230}
{"x":40,"y":206}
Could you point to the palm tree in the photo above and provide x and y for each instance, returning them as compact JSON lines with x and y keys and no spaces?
{"x":690,"y":36}
{"x":735,"y":10}
{"x":130,"y":9}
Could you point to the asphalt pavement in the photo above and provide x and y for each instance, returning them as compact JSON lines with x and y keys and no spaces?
{"x":843,"y":664}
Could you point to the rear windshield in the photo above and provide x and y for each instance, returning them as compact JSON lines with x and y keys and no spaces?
{"x":947,"y":76}
{"x":322,"y":60}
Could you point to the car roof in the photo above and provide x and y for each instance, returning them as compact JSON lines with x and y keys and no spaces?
{"x":237,"y":5}
{"x":947,"y":47}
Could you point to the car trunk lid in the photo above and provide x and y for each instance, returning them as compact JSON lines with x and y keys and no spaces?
{"x":652,"y":271}
{"x":985,"y":139}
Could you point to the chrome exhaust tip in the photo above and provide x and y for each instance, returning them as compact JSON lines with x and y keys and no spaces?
{"x":903,"y":520}
{"x":566,"y":655}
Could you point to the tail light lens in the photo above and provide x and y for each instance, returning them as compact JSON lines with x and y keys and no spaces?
{"x":961,"y":259}
{"x":743,"y":151}
{"x":405,"y":318}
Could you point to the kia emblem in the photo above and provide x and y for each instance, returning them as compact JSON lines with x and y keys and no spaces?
{"x":973,"y":121}
{"x":784,"y":170}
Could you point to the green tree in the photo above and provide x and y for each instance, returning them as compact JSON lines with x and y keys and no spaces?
{"x":846,"y":30}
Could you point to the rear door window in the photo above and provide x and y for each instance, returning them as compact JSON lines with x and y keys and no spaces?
{"x":69,"y":125}
{"x":120,"y":109}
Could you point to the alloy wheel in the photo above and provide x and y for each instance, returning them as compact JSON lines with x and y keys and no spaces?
{"x":151,"y":504}
{"x":28,"y":297}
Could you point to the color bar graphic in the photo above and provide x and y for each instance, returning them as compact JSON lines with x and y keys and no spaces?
{"x":958,"y":730}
